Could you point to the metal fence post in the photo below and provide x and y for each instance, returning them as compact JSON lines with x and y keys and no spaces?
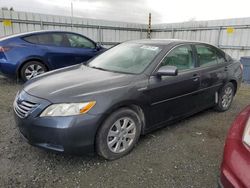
{"x":41,"y":24}
{"x":219,"y":36}
{"x":172,"y":33}
{"x":99,"y":35}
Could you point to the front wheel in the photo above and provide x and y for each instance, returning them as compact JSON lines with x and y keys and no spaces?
{"x":118,"y":134}
{"x":225,"y":97}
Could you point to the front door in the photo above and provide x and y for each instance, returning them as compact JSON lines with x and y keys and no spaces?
{"x":172,"y":97}
{"x":82,"y":48}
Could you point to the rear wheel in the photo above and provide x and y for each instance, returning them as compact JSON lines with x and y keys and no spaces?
{"x":118,"y":134}
{"x":32,"y":69}
{"x":225,"y":98}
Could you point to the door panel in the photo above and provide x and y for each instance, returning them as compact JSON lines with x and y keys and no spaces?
{"x":55,"y":47}
{"x":66,"y":56}
{"x":213,"y":71}
{"x":211,"y":80}
{"x":83,"y":48}
{"x":60,"y":56}
{"x":174,"y":96}
{"x":83,"y":54}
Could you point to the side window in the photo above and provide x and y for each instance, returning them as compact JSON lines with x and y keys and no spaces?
{"x":54,"y":39}
{"x":208,"y":56}
{"x":78,"y":41}
{"x":39,"y":39}
{"x":59,"y":39}
{"x":44,"y":39}
{"x":181,"y":57}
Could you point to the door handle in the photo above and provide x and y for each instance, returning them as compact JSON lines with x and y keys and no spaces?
{"x":196,"y":77}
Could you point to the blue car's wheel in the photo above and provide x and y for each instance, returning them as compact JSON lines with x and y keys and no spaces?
{"x":32,"y":69}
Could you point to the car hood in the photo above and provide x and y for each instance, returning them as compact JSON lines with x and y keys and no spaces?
{"x":71,"y":83}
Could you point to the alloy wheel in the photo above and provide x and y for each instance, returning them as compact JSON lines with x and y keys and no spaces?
{"x":121,"y":135}
{"x":33,"y":70}
{"x":227,"y":97}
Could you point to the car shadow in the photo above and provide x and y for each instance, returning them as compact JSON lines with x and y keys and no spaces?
{"x":175,"y":124}
{"x":6,"y":81}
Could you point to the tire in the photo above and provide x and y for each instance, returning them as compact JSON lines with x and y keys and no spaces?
{"x":121,"y":141}
{"x":31,"y":69}
{"x":225,"y":97}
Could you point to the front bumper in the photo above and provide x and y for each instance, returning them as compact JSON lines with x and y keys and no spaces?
{"x":63,"y":134}
{"x":71,"y":134}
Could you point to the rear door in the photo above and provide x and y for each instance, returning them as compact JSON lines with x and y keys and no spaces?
{"x":172,"y":97}
{"x":59,"y":53}
{"x":63,"y":49}
{"x":54,"y":47}
{"x":213,"y":71}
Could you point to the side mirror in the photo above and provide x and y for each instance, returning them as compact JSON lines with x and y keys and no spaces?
{"x":98,"y":46}
{"x":167,"y":71}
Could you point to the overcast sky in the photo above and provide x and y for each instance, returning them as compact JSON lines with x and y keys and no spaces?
{"x":163,"y":11}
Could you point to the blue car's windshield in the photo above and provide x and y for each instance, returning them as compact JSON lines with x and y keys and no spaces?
{"x":126,"y":58}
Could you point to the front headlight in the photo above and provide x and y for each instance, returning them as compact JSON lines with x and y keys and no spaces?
{"x":246,"y":134}
{"x":67,"y":109}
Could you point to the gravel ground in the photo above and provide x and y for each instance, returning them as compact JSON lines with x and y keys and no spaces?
{"x":186,"y":154}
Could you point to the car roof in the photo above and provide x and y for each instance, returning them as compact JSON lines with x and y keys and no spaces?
{"x":34,"y":32}
{"x":164,"y":42}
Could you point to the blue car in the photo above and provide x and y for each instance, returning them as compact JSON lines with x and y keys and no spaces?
{"x":27,"y":55}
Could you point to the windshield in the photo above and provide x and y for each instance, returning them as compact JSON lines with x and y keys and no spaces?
{"x":126,"y":58}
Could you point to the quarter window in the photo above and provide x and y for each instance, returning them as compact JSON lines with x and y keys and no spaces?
{"x":32,"y":39}
{"x":208,"y":56}
{"x":181,"y":57}
{"x":78,"y":41}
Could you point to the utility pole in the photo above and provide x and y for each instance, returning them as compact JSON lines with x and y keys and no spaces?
{"x":149,"y":26}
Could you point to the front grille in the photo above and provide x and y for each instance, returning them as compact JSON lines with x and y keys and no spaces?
{"x":23,"y":108}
